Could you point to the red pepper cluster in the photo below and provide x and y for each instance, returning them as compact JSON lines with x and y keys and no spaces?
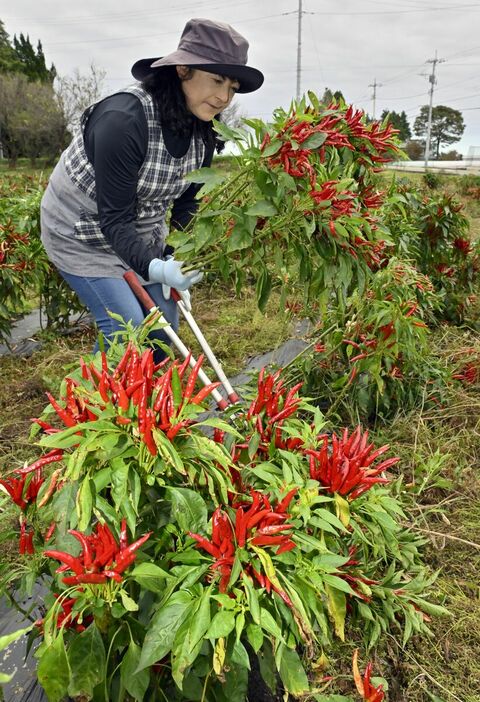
{"x":469,"y":372}
{"x":11,"y":247}
{"x":66,"y":618}
{"x":16,"y":488}
{"x":257,"y":524}
{"x":340,"y":202}
{"x":368,"y":692}
{"x":267,"y":411}
{"x":344,"y":465}
{"x":101,"y":558}
{"x":341,"y":126}
{"x":272,"y":405}
{"x":133,"y":384}
{"x":26,"y":540}
{"x":463,"y":245}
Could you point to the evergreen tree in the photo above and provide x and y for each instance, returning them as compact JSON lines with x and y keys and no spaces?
{"x":398,"y":121}
{"x":447,"y":126}
{"x":32,"y":62}
{"x":9,"y":62}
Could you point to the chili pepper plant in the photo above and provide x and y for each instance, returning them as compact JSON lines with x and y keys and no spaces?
{"x":433,"y":231}
{"x":174,"y":545}
{"x":25,"y":272}
{"x":301,"y":211}
{"x":374,"y":352}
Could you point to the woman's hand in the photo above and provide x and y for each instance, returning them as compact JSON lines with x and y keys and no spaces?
{"x":168,"y":272}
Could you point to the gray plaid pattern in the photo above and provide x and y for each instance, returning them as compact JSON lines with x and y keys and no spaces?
{"x":161,"y":177}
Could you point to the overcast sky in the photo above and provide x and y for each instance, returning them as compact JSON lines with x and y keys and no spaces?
{"x":346,"y":45}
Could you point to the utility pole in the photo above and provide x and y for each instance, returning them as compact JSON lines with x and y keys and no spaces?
{"x":299,"y":48}
{"x":432,"y":81}
{"x":374,"y":85}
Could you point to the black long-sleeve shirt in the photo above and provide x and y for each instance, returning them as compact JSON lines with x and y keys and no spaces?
{"x":116,"y":140}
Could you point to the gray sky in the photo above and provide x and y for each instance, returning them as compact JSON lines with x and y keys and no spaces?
{"x":346,"y":45}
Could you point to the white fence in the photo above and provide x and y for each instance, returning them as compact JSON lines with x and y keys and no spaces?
{"x":461,"y":167}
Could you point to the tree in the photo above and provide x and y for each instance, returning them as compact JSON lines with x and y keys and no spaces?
{"x":31,"y":120}
{"x":8,"y":59}
{"x":398,"y":121}
{"x":329,"y":96}
{"x":77,"y":92}
{"x":447,"y":126}
{"x":415,"y":149}
{"x":32,"y":63}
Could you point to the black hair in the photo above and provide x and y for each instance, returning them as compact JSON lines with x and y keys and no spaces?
{"x":165,"y":87}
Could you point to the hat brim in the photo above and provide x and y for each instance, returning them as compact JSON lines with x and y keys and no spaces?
{"x":250,"y":79}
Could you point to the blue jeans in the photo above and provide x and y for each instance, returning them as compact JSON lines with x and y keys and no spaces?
{"x":102,"y":295}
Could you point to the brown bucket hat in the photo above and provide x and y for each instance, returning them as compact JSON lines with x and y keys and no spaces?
{"x":211,"y":46}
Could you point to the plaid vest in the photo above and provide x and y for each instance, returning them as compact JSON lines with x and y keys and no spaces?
{"x":160,"y":179}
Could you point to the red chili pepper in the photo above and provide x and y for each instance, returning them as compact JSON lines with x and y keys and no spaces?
{"x":133,"y":387}
{"x":192,"y":378}
{"x":205,"y":544}
{"x":240,"y":526}
{"x":65,"y":416}
{"x":204,"y":393}
{"x":50,"y":531}
{"x":51,"y":457}
{"x":21,"y":547}
{"x":256,"y":518}
{"x":29,"y":547}
{"x":148,"y":438}
{"x":284,"y":504}
{"x":86,"y":551}
{"x":69,"y":560}
{"x":162,"y":393}
{"x":285,"y":413}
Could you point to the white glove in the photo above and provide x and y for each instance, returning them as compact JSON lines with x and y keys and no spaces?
{"x":168,"y":272}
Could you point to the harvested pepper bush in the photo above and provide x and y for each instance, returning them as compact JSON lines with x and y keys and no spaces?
{"x":101,"y":557}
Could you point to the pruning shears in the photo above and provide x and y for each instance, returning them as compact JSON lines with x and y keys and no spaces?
{"x":146,"y":300}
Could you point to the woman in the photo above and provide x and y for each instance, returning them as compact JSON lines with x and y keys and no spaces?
{"x":104,"y":209}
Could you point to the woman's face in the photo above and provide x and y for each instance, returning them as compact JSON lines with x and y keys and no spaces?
{"x":206,"y":94}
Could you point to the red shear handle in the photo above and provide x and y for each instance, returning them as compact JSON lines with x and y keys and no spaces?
{"x":139,"y":291}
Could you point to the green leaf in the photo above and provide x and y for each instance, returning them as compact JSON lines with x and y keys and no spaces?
{"x":269,"y":624}
{"x":293,"y":673}
{"x":337,"y":608}
{"x":221,"y":625}
{"x":10,"y":638}
{"x":188,"y":509}
{"x":262,"y":208}
{"x":129,"y":604}
{"x":263,"y":289}
{"x":315,"y":140}
{"x":255,"y":636}
{"x":239,"y":239}
{"x":163,"y":628}
{"x":338,"y":584}
{"x":135,"y":683}
{"x":84,"y":504}
{"x":119,"y":479}
{"x":150,"y":576}
{"x":188,"y":640}
{"x":252,"y":599}
{"x":63,"y":506}
{"x":207,"y":176}
{"x":53,"y":671}
{"x":86,"y":656}
{"x":240,"y":655}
